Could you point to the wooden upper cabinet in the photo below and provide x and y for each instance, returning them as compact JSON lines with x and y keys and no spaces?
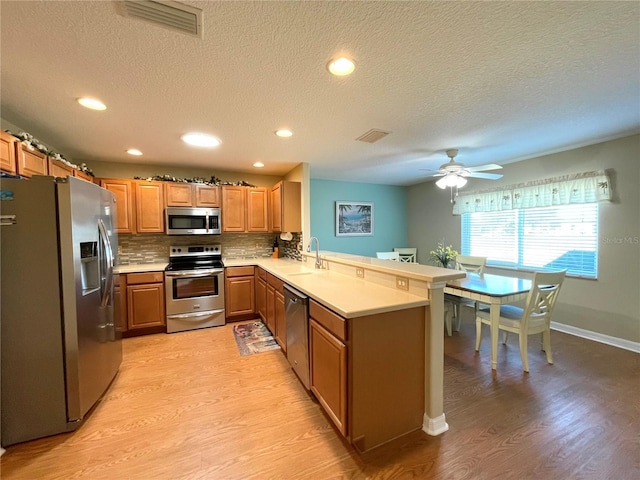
{"x":234,"y":206}
{"x":8,"y":153}
{"x":149,"y":206}
{"x":257,"y":209}
{"x":30,"y":162}
{"x":58,"y":168}
{"x":286,"y":209}
{"x":178,"y":194}
{"x":207,"y":195}
{"x":124,"y":193}
{"x":84,"y":176}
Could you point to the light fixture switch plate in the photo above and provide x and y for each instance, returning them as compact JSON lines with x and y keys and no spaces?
{"x":402,"y":283}
{"x":360,"y":272}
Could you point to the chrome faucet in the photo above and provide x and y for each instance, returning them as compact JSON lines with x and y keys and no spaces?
{"x":318,"y":261}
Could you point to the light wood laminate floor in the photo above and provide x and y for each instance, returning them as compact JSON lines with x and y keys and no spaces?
{"x":188,"y":406}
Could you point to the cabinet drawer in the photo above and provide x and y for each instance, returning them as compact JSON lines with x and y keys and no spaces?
{"x":329,"y":320}
{"x":262,"y":273}
{"x":275,"y":282}
{"x":146,"y":277}
{"x":239,"y":271}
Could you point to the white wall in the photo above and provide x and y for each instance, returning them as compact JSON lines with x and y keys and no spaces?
{"x":609,"y":305}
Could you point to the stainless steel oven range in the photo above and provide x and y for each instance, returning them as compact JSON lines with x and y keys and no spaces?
{"x":194,"y":287}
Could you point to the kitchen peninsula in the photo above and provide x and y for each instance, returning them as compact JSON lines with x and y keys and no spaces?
{"x":383,"y":322}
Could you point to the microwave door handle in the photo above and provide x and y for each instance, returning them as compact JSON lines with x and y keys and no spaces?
{"x":206,"y":221}
{"x":104,"y":237}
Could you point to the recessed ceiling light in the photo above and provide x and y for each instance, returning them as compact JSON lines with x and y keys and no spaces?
{"x":341,"y":66}
{"x":284,"y":133}
{"x":134,"y":151}
{"x":92,"y":103}
{"x":200,"y":139}
{"x":258,"y":164}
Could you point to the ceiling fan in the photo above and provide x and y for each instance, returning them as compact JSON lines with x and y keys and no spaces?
{"x":455,"y":174}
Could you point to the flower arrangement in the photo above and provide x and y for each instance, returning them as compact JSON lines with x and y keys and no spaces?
{"x":443,"y":255}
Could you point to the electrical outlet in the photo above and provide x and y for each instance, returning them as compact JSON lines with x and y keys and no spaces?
{"x":402,"y":283}
{"x":360,"y":272}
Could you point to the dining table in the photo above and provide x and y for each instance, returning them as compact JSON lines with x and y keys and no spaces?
{"x":494,"y":290}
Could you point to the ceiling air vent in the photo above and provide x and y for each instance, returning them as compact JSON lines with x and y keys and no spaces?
{"x":168,"y":14}
{"x":372,"y":136}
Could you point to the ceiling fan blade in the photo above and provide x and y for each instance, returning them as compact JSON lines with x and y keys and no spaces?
{"x":488,"y":176}
{"x":480,"y":168}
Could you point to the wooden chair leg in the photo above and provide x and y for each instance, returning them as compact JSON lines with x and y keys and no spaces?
{"x":523,"y":351}
{"x":478,"y":333}
{"x":505,"y":334}
{"x":447,"y":321}
{"x":546,"y":342}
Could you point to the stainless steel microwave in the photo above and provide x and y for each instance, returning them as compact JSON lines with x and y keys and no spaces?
{"x":193,"y":221}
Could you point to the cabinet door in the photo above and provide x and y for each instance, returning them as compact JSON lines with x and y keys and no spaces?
{"x":178,"y":194}
{"x":261,"y":299}
{"x":149,"y":207}
{"x":8,"y":152}
{"x":276,"y":207}
{"x":207,"y":196}
{"x":271,"y":308}
{"x":30,"y":162}
{"x":328,"y":373}
{"x":239,"y":296}
{"x":145,"y":305}
{"x":281,"y":324}
{"x":257,"y":209}
{"x":291,"y":206}
{"x":82,"y":175}
{"x":119,"y":303}
{"x":234,"y":205}
{"x":59,"y":169}
{"x":123,"y":191}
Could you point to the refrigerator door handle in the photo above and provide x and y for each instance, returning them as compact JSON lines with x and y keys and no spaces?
{"x":104,"y":237}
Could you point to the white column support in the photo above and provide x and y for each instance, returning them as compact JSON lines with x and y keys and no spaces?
{"x":434,"y":422}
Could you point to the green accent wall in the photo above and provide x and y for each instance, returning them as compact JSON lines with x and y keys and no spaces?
{"x":389,"y":216}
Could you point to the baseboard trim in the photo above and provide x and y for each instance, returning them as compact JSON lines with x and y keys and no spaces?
{"x":597,"y":337}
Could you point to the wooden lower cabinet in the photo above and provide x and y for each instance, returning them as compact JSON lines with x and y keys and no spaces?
{"x":261,"y":294}
{"x":145,"y":300}
{"x":119,"y":303}
{"x":328,"y":373}
{"x":239,"y":292}
{"x":368,"y":372}
{"x":271,"y":308}
{"x":280,"y":321}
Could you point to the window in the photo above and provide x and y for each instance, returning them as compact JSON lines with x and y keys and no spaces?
{"x":547,"y":238}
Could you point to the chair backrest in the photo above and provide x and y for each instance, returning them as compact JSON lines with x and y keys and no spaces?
{"x":471,"y":264}
{"x":407,"y":254}
{"x":545,"y":287}
{"x":388,"y":255}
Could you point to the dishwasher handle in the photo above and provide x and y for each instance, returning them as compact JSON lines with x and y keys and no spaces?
{"x":294,"y":296}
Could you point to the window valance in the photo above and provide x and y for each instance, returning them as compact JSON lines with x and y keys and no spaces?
{"x":585,"y":187}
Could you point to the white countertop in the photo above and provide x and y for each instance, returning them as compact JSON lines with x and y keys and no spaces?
{"x":347,"y":295}
{"x":141,"y":267}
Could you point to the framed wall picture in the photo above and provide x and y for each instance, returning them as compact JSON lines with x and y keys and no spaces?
{"x":354,"y":219}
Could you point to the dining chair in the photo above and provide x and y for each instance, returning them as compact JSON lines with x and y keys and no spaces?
{"x":388,"y":256}
{"x":466,"y":263}
{"x":534,"y":318}
{"x":407,"y":254}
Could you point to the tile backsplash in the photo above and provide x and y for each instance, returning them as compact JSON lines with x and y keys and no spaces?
{"x":154,"y":248}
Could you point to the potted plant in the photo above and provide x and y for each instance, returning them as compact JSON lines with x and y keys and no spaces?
{"x":443,"y":255}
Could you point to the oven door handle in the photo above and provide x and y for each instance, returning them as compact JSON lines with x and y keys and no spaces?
{"x":185,"y":316}
{"x":191,"y":274}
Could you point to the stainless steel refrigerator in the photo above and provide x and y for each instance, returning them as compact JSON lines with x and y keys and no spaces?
{"x":59,"y":350}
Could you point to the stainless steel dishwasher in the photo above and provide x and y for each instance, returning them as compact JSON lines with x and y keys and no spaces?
{"x":297,"y":318}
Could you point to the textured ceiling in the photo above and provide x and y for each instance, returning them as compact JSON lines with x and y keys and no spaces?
{"x":500,"y":81}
